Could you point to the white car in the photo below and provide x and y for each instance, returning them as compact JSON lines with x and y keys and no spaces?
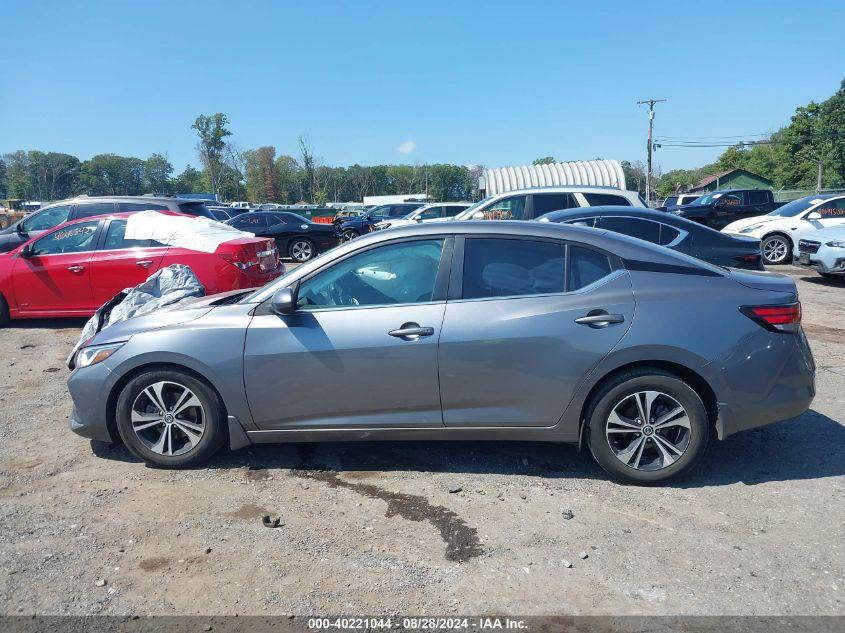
{"x":531,"y":203}
{"x":824,"y":251}
{"x":435,"y":212}
{"x":780,"y":230}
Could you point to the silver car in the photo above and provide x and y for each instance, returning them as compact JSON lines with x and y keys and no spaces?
{"x":461,"y":331}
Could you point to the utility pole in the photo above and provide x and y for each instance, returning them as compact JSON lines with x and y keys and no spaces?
{"x":650,"y":103}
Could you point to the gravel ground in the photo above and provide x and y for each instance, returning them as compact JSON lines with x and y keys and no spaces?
{"x":758,"y":528}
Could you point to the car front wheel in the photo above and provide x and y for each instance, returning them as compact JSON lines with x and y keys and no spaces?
{"x":170,"y":419}
{"x":776,"y":249}
{"x":647,"y":426}
{"x":349,"y":234}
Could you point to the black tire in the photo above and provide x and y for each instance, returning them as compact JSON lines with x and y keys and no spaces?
{"x":214,"y":420}
{"x":349,"y":234}
{"x":771,"y":241}
{"x":301,"y":249}
{"x":617,"y":392}
{"x":4,"y":312}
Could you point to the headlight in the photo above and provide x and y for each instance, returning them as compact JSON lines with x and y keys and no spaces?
{"x":750,"y":229}
{"x":88,"y":356}
{"x":836,"y":244}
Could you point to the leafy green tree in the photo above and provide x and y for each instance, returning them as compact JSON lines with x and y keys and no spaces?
{"x":212,"y":131}
{"x":4,"y":180}
{"x":545,"y":160}
{"x":189,"y":181}
{"x":110,"y":174}
{"x":261,"y":175}
{"x":157,"y":171}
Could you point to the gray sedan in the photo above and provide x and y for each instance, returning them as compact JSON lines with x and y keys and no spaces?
{"x":461,"y":331}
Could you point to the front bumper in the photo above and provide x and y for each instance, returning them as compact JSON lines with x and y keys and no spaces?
{"x":89,"y":388}
{"x":836,"y":266}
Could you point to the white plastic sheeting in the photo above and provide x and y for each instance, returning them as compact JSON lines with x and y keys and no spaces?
{"x":602,"y":173}
{"x":165,"y":287}
{"x":182,"y":231}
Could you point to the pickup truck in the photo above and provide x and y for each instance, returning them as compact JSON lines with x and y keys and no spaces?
{"x":717,"y":209}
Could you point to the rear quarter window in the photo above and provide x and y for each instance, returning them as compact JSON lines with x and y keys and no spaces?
{"x":609,"y":199}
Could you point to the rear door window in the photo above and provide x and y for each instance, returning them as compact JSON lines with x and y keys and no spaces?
{"x":116,"y":238}
{"x":450,"y":211}
{"x":601,"y":199}
{"x":90,"y":209}
{"x":132,"y":207}
{"x":758,"y":197}
{"x":512,"y":267}
{"x":591,"y":222}
{"x":546,"y":202}
{"x":635,"y":227}
{"x":586,"y":267}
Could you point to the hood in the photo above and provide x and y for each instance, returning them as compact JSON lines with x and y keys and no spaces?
{"x":746,"y":222}
{"x":763,"y":280}
{"x":185,"y":311}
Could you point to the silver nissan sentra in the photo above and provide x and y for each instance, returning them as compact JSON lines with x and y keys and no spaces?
{"x":461,"y":331}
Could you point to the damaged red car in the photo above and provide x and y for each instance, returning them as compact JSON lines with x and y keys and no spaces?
{"x":74,"y":268}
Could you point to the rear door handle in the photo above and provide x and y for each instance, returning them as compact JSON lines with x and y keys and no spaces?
{"x":144,"y":263}
{"x":600,"y":320}
{"x":411,"y":331}
{"x":76,"y":269}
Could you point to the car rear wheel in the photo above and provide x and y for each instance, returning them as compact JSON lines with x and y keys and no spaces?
{"x":349,"y":234}
{"x":301,"y":250}
{"x":776,"y":249}
{"x":647,"y":426}
{"x":170,"y":419}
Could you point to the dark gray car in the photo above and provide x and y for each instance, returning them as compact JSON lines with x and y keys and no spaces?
{"x":461,"y":331}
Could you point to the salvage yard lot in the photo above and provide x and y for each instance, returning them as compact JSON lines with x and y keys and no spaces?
{"x":758,"y":528}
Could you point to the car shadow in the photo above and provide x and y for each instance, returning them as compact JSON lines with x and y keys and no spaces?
{"x":72,"y":323}
{"x":811,"y":446}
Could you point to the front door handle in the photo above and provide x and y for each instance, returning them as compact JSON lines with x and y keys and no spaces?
{"x":411,"y":331}
{"x":144,"y":263}
{"x":76,"y":268}
{"x":599,"y":318}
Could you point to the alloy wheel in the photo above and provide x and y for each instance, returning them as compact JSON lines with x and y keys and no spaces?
{"x":775,"y":250}
{"x":301,"y":250}
{"x":349,"y":235}
{"x":648,"y":430}
{"x":168,"y":418}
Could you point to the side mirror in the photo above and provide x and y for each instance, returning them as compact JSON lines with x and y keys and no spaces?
{"x":26,"y":251}
{"x":284,"y":300}
{"x":19,"y":229}
{"x":478,"y":215}
{"x":815,"y":215}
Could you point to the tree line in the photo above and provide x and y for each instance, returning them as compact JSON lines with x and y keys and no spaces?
{"x":258,"y":175}
{"x":809,"y":150}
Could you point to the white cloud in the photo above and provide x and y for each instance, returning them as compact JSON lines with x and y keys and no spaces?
{"x":407,"y":147}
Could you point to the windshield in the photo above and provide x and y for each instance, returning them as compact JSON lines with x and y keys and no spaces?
{"x":791,"y":209}
{"x":710,"y":198}
{"x":467,"y":213}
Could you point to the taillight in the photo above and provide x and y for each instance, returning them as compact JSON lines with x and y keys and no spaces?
{"x":778,"y":318}
{"x":748,"y":258}
{"x":240,"y":260}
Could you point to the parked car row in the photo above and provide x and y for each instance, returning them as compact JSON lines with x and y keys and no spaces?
{"x":298,"y":238}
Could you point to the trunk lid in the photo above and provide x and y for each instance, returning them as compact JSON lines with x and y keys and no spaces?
{"x":260,"y":254}
{"x":763,"y":280}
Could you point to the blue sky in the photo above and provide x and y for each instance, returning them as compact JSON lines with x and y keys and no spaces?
{"x":492,"y":83}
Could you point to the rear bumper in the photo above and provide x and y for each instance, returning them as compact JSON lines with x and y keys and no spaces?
{"x":774,"y":382}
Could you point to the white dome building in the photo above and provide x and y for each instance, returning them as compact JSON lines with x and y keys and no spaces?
{"x":602,"y":173}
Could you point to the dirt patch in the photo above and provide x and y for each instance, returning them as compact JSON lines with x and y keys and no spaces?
{"x":461,"y":540}
{"x":250,"y":511}
{"x":154,"y":564}
{"x":257,"y":474}
{"x":825,"y":332}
